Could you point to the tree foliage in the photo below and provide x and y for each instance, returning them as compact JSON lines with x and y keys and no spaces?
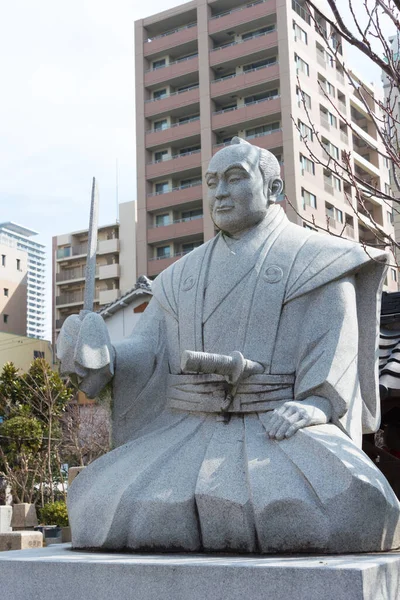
{"x":31,"y":407}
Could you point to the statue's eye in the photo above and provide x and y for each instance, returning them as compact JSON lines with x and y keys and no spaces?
{"x":211,"y":183}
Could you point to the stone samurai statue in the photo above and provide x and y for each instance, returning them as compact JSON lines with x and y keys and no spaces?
{"x":240,"y":399}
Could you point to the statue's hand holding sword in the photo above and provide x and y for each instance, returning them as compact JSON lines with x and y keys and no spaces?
{"x":83,"y":345}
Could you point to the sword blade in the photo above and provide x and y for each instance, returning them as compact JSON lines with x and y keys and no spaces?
{"x":90,"y":283}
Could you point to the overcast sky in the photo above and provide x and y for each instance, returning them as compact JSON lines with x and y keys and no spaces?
{"x":67,"y":110}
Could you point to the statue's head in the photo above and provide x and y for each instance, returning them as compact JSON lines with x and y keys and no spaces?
{"x":243,"y":180}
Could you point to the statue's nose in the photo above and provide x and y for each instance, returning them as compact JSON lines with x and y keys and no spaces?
{"x":221,"y":191}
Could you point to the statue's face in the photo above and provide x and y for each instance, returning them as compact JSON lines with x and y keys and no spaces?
{"x":235,"y":189}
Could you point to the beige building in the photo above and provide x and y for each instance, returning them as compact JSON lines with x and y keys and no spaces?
{"x":116,"y":261}
{"x":212,"y":69}
{"x":22,"y":350}
{"x":13,"y":289}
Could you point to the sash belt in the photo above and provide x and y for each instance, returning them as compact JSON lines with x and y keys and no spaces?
{"x":208,"y":393}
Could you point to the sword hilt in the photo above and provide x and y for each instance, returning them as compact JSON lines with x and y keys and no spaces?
{"x":234,"y":366}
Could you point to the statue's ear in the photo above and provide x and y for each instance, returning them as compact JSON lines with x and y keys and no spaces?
{"x":275,"y":187}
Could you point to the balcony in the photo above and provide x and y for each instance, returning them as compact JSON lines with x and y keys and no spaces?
{"x":156,"y":265}
{"x":108,"y":296}
{"x":233,"y":83}
{"x":108,"y":246}
{"x":174,"y":70}
{"x":67,"y":275}
{"x":267,"y":140}
{"x":171,"y":39}
{"x":241,"y":15}
{"x":178,"y":229}
{"x":70,"y":298}
{"x":238,"y":50}
{"x":174,"y":164}
{"x":172,"y":102}
{"x":175,"y":197}
{"x":109,"y":271}
{"x":175,"y":132}
{"x":246,"y":113}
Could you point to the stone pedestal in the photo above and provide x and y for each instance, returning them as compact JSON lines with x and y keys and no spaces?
{"x":24,"y":517}
{"x":5,"y":519}
{"x":68,"y":575}
{"x":20,"y":540}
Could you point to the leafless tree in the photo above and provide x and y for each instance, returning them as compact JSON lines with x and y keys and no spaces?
{"x":336,"y":28}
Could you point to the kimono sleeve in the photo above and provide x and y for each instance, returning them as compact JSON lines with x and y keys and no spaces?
{"x":327,"y":358}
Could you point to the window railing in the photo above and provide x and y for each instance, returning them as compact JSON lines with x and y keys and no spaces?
{"x":239,"y":8}
{"x":176,"y":255}
{"x":191,"y":120}
{"x":174,"y":189}
{"x":250,"y":137}
{"x":256,"y":35}
{"x":193,"y":87}
{"x":175,"y":221}
{"x":244,"y":72}
{"x":174,"y":62}
{"x":301,"y":11}
{"x":155,"y":162}
{"x":171,"y":31}
{"x":224,"y":110}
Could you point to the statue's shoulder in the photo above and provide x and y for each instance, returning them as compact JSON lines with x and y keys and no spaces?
{"x":323,"y":258}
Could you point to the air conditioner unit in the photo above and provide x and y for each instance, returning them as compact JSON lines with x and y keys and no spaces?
{"x":303,"y":171}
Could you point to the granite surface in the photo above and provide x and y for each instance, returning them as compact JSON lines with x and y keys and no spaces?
{"x":58,"y":572}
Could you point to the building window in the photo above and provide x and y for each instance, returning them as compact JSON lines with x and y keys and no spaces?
{"x":6,"y":291}
{"x":163,"y":252}
{"x":259,"y":64}
{"x":162,"y":187}
{"x":263,"y":130}
{"x":5,"y":318}
{"x":159,"y":64}
{"x":186,"y":248}
{"x":307,"y":165}
{"x":160,"y":125}
{"x":185,"y":183}
{"x":190,"y":215}
{"x":303,"y":99}
{"x":160,"y":155}
{"x":38,"y":354}
{"x":162,"y":220}
{"x":3,"y":260}
{"x":390,"y":217}
{"x":18,"y":264}
{"x":394,"y":274}
{"x":301,"y":65}
{"x":309,"y":199}
{"x":337,"y":184}
{"x":299,"y":33}
{"x":305,"y":131}
{"x":158,"y":94}
{"x":257,"y":32}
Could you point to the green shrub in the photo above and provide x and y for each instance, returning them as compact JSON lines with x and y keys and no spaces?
{"x":54,"y":513}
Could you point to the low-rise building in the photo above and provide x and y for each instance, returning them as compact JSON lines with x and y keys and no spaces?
{"x":115,"y":270}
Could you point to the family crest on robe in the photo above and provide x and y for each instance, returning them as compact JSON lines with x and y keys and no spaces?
{"x":193,"y":472}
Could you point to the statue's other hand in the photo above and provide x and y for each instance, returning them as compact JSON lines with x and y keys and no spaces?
{"x":292,"y":416}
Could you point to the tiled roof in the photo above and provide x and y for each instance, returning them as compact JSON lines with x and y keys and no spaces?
{"x":141,"y":287}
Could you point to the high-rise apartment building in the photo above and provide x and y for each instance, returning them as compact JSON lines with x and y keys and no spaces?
{"x":209,"y":70}
{"x":116,"y":266}
{"x":20,"y":238}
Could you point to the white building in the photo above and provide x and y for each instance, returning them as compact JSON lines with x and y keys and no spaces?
{"x":18,"y":236}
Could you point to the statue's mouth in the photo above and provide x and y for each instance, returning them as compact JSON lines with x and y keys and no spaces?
{"x":224,"y":208}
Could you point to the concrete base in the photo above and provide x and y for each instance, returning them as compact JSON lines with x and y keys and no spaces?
{"x":59,"y":572}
